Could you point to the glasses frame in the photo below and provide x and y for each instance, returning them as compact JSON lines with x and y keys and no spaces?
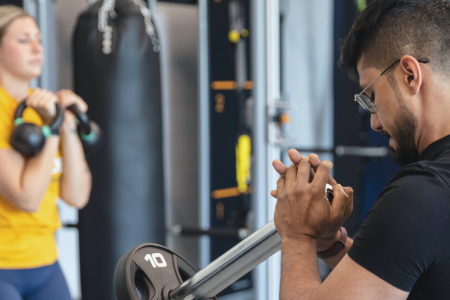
{"x":365,"y":101}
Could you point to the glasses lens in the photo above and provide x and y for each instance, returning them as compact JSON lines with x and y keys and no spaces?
{"x":366,"y":103}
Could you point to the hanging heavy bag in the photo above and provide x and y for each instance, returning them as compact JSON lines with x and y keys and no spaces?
{"x":29,"y":139}
{"x":117,"y":73}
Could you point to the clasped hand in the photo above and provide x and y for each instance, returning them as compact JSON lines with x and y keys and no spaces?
{"x":302,"y":210}
{"x":43,"y":102}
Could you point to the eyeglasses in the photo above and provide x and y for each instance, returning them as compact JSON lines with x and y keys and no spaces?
{"x":365,"y":101}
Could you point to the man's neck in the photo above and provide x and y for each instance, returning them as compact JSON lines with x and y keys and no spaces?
{"x":436,"y":120}
{"x":15,"y":87}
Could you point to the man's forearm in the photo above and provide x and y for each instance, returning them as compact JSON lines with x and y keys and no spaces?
{"x":299,"y":269}
{"x":333,"y":261}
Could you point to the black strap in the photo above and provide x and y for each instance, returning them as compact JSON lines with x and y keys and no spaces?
{"x":54,"y":125}
{"x":83,"y":119}
{"x":20,"y":109}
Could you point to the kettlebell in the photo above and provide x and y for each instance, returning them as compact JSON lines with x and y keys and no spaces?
{"x":28,"y":138}
{"x":88,"y":131}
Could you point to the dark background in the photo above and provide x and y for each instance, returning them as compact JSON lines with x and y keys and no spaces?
{"x":15,"y":2}
{"x":224,"y":131}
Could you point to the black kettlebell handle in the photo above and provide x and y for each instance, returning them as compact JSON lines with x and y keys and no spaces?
{"x":54,"y":124}
{"x":83,"y":120}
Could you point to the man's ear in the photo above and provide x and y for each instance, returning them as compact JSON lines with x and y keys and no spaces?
{"x":411,"y":73}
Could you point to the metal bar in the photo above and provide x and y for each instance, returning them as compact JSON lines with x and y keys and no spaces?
{"x":70,"y":225}
{"x":236,"y":233}
{"x":350,"y":151}
{"x":362,"y":151}
{"x":231,"y":266}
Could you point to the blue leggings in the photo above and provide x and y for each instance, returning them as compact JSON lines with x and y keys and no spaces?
{"x":45,"y":283}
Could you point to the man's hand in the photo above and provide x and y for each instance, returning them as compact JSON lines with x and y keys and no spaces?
{"x":330,"y":234}
{"x":43,"y":102}
{"x":67,"y":98}
{"x":296,"y":158}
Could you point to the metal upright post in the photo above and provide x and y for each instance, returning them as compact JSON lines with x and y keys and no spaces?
{"x":273,"y":95}
{"x":43,"y":12}
{"x":259,"y":163}
{"x":30,"y":6}
{"x":204,"y":127}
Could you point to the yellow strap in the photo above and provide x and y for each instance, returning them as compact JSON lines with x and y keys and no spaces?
{"x":243,"y":157}
{"x":362,"y":4}
{"x":234,"y":36}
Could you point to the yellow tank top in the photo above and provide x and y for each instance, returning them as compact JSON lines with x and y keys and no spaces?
{"x":27,"y":240}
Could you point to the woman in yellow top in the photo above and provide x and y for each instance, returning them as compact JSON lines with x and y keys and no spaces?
{"x":29,"y":188}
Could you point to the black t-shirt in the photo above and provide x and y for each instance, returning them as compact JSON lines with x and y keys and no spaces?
{"x":405,"y":239}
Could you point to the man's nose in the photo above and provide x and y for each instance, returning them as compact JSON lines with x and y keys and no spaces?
{"x":375,"y":122}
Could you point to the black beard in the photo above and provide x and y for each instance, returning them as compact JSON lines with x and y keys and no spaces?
{"x":404,"y":131}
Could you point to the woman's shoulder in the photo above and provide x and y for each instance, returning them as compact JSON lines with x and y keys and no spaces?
{"x":7,"y":103}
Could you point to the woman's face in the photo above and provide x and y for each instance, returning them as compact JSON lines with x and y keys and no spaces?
{"x":21,"y":52}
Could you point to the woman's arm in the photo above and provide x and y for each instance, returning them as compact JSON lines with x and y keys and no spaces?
{"x":23,"y":182}
{"x":76,"y":180}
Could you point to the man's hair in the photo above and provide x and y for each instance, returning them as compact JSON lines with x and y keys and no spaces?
{"x":389,"y":29}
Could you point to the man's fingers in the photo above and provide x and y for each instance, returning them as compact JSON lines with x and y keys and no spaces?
{"x":295,"y":156}
{"x":348,"y":211}
{"x":312,"y":174}
{"x":331,"y":181}
{"x":280,"y":185}
{"x":348,"y":190}
{"x":323,"y":173}
{"x":304,"y":171}
{"x":291,"y":175}
{"x":340,"y":202}
{"x":274,"y":193}
{"x":314,"y":160}
{"x":279,"y":167}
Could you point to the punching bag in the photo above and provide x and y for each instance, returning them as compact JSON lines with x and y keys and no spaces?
{"x":117,"y":72}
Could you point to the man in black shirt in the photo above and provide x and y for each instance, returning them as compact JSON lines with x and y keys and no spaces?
{"x":399,"y":52}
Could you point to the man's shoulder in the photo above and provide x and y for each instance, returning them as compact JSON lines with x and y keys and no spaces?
{"x":405,"y":234}
{"x":423,"y":174}
{"x":421,"y":186}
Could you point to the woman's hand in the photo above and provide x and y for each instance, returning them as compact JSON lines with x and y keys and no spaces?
{"x":43,"y":102}
{"x":67,"y":98}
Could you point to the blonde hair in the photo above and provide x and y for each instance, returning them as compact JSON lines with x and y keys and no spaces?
{"x":8,"y":14}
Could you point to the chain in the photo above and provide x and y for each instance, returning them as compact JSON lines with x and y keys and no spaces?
{"x":108,"y":8}
{"x":105,"y":9}
{"x":149,"y":27}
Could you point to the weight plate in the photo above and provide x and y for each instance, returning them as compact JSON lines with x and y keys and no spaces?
{"x":150,"y":272}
